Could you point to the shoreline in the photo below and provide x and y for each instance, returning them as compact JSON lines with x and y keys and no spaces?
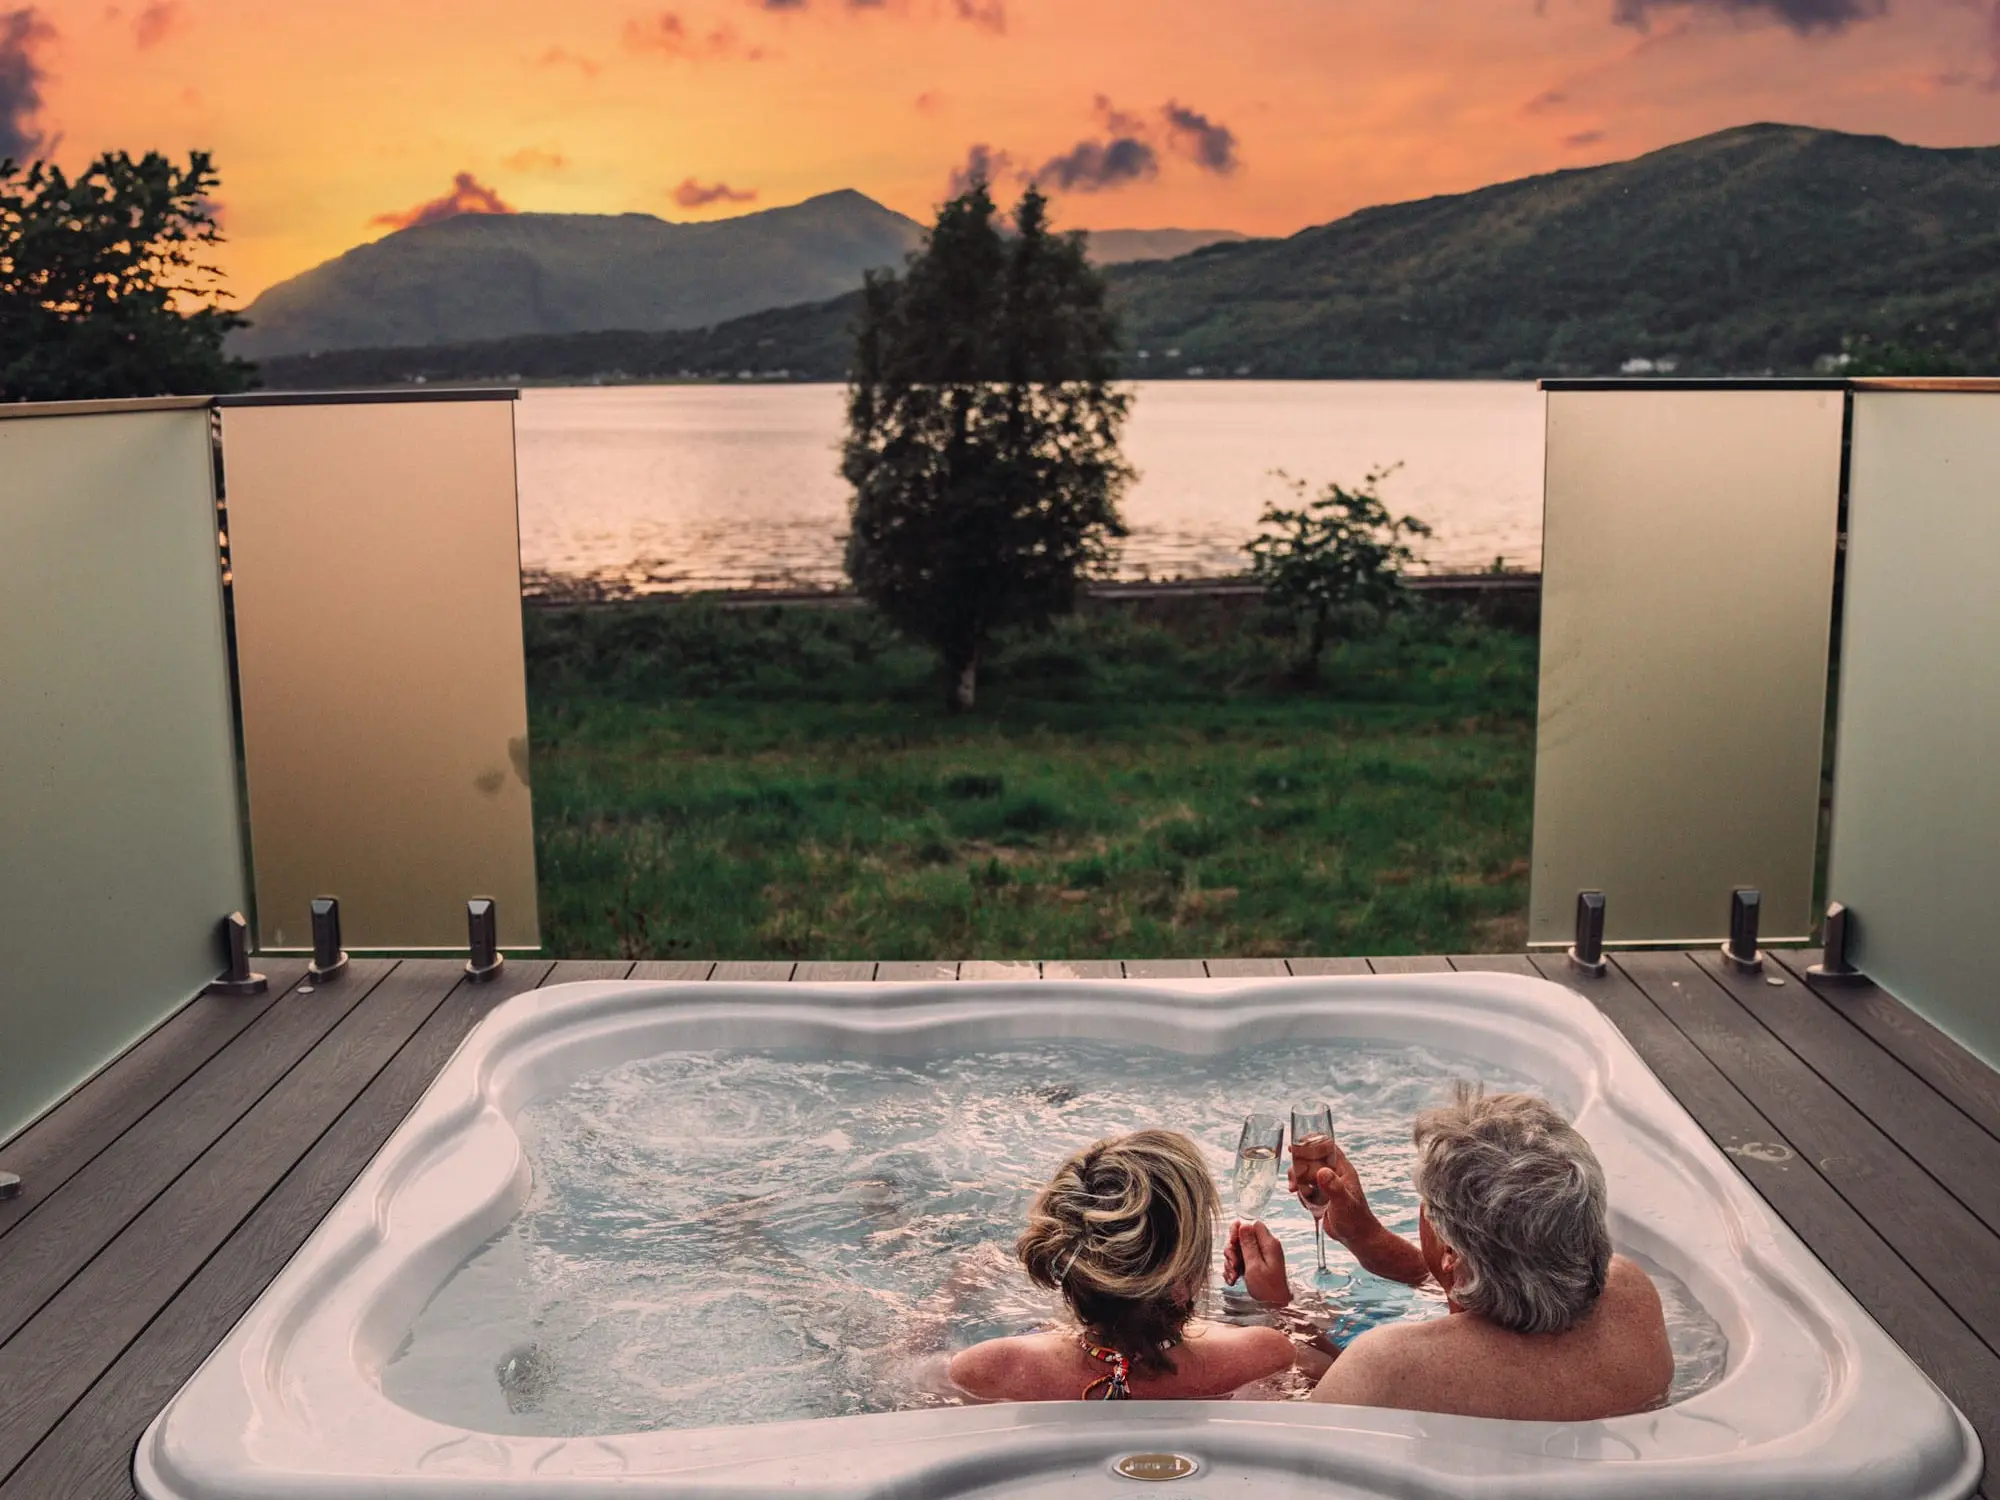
{"x":557,"y":591}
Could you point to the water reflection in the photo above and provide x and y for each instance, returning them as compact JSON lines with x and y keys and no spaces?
{"x":674,"y":488}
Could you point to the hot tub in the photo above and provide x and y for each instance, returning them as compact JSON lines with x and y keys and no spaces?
{"x":1815,"y":1399}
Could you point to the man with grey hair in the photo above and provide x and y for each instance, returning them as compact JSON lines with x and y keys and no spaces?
{"x":1511,"y":1225}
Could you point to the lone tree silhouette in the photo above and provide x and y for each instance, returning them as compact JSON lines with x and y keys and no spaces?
{"x":983,"y":433}
{"x":105,"y":283}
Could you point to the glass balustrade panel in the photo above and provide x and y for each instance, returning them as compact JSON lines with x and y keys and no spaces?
{"x":378,"y":622}
{"x":1916,"y":804}
{"x":120,"y":839}
{"x":1687,"y":575}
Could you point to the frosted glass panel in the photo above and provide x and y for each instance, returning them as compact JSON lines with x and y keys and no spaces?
{"x":120,"y":845}
{"x":1687,"y":579}
{"x":378,"y":624}
{"x":1916,"y":811}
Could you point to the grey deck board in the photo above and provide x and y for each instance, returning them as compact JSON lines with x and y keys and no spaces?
{"x":1914,"y":1315}
{"x":752,"y":973}
{"x":1942,"y":1240}
{"x":1963,"y":1158}
{"x":676,"y":969}
{"x":897,"y":971}
{"x":578,"y":970}
{"x":998,"y":968}
{"x":88,"y":1453}
{"x":1407,"y":964}
{"x":833,"y":973}
{"x":57,"y":1146}
{"x":1165,"y":968}
{"x":1247,"y":968}
{"x":1493,"y":963}
{"x":86,"y":1213}
{"x":1919,"y":1046}
{"x":1082,"y":968}
{"x":76,"y":1335}
{"x":178,"y":1183}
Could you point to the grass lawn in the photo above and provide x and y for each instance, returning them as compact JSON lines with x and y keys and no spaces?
{"x":782,"y":783}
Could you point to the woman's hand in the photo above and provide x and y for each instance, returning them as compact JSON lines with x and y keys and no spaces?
{"x":1347,"y":1216}
{"x":1254,"y":1254}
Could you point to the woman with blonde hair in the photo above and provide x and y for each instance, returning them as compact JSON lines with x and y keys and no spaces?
{"x":1125,"y":1231}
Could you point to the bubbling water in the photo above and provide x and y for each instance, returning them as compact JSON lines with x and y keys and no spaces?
{"x":750,"y":1236}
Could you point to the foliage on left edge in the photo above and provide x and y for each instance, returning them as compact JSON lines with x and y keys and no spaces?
{"x":106,"y":285}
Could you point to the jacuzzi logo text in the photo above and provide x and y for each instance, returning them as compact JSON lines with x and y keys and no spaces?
{"x":1155,"y":1468}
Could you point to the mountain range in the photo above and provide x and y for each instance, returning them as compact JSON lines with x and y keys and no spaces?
{"x":482,"y":276}
{"x":1762,"y":249}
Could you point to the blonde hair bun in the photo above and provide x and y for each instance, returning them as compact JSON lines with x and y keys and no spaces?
{"x":1125,"y":1230}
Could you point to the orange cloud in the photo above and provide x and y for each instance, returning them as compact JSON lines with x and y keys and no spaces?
{"x":468,"y":195}
{"x":692,"y":194}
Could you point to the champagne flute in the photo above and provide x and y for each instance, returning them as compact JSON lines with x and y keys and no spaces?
{"x":1257,"y":1163}
{"x":1312,"y":1148}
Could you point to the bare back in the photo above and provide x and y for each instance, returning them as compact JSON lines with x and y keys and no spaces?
{"x":1213,"y":1361}
{"x":1615,"y":1362}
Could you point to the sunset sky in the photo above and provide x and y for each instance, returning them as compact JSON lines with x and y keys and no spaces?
{"x":332,"y":122}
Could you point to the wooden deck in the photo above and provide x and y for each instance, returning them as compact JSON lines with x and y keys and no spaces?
{"x":161,"y":1198}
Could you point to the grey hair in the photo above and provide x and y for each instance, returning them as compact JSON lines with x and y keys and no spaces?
{"x":1511,"y":1186}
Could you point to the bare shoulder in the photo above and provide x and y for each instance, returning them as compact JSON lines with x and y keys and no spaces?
{"x":1628,"y":1281}
{"x":1380,"y":1365}
{"x":1257,"y":1352}
{"x":1637,"y":1320}
{"x":1631,"y":1302}
{"x":1233,"y":1356}
{"x":996,"y":1370}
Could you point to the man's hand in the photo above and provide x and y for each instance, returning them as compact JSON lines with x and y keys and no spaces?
{"x":1254,"y":1254}
{"x":1347,"y":1216}
{"x":1349,"y":1219}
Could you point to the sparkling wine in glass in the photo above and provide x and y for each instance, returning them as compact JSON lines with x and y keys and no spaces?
{"x":1257,"y":1163}
{"x":1312,"y":1148}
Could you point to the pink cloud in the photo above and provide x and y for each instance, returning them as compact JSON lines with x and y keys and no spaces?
{"x":692,"y":194}
{"x":468,"y":195}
